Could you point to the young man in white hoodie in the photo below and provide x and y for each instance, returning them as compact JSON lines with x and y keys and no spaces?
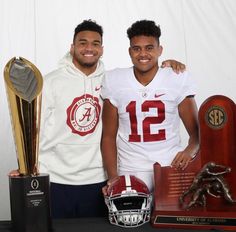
{"x":71,"y":127}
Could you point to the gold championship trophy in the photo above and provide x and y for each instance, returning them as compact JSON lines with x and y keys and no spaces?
{"x":29,"y":192}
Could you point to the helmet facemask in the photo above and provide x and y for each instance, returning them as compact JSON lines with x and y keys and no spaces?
{"x":129,"y":208}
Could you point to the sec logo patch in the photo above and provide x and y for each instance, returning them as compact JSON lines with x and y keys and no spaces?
{"x":216,"y":117}
{"x":83,"y":114}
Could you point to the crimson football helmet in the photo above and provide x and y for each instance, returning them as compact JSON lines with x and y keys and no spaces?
{"x":129,"y":202}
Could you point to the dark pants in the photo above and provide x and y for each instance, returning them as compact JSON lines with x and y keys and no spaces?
{"x":72,"y":201}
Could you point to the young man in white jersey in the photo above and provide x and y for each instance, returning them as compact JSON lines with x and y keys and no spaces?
{"x":142,"y":109}
{"x":71,"y":127}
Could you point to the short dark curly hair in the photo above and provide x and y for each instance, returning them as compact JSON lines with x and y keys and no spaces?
{"x":144,"y":27}
{"x":88,"y":25}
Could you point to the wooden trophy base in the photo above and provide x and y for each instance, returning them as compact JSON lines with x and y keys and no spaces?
{"x":169,"y":213}
{"x":30,"y":208}
{"x":203,"y":196}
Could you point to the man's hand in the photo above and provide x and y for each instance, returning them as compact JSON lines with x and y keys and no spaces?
{"x":14,"y":173}
{"x":109,"y":183}
{"x":181,"y":160}
{"x":175,"y":65}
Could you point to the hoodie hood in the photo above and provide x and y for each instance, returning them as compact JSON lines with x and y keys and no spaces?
{"x":66,"y":62}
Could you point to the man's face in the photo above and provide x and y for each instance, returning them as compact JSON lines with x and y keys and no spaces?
{"x":144,"y":52}
{"x":86,"y":49}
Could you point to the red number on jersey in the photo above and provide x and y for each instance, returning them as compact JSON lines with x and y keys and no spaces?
{"x":147,"y":121}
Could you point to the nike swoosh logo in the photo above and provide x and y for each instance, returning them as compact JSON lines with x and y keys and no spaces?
{"x":159,"y":95}
{"x":98,"y":88}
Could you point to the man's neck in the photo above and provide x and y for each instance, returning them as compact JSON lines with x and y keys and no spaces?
{"x":145,"y":78}
{"x":87,"y":70}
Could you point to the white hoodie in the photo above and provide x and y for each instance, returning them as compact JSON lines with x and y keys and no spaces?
{"x":71,"y":125}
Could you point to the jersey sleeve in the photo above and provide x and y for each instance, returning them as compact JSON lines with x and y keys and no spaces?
{"x":188,"y":87}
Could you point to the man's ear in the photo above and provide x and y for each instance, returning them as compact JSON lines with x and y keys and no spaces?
{"x":160,"y":48}
{"x":72,"y":49}
{"x":102,"y":49}
{"x":130,"y":51}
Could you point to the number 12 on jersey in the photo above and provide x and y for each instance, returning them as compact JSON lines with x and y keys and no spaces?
{"x":147,"y":121}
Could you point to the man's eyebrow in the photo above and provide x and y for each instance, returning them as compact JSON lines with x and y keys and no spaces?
{"x":96,"y":41}
{"x":83,"y":39}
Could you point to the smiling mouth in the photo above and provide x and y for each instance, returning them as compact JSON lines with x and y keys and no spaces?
{"x":143,"y":61}
{"x":88,"y":55}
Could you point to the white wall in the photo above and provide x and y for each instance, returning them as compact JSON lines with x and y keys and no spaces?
{"x":199,"y":33}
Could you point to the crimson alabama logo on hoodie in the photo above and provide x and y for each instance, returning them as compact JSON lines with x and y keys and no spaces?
{"x":83,"y":114}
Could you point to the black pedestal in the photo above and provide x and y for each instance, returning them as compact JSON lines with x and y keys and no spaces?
{"x":30,"y":203}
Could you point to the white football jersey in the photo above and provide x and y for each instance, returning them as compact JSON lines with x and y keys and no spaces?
{"x":148,"y":116}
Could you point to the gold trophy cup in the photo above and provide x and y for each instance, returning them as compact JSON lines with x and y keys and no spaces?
{"x":29,"y":192}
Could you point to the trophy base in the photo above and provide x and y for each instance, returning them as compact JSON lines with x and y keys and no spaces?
{"x":196,"y":219}
{"x":30,"y":208}
{"x":168,"y":212}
